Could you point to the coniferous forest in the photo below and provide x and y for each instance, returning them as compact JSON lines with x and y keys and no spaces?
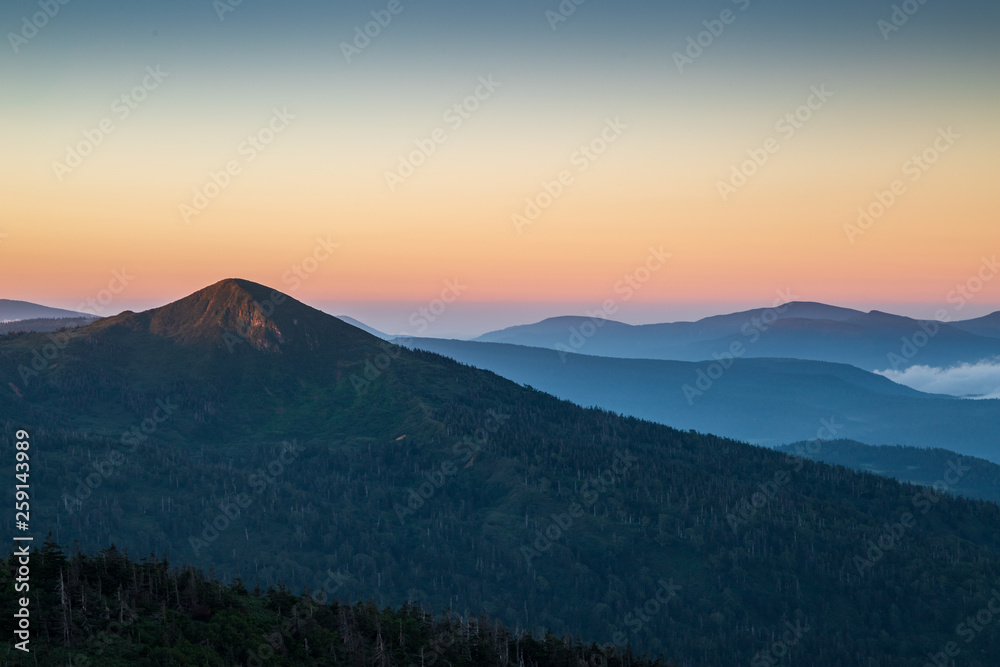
{"x":442,"y":333}
{"x":275,"y":445}
{"x":109,"y":610}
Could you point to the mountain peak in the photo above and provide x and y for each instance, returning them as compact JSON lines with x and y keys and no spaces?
{"x":238,"y":288}
{"x":236,"y":311}
{"x":229,"y":307}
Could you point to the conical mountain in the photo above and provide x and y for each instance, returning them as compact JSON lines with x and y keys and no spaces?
{"x":235,"y":312}
{"x":246,"y":358}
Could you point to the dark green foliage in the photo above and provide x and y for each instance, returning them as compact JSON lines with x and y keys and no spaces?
{"x":332,"y":405}
{"x":106,"y":610}
{"x":976,"y":478}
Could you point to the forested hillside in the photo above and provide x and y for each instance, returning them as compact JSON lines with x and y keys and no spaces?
{"x":958,"y":474}
{"x":107,"y":610}
{"x":279,"y":445}
{"x":763,"y":401}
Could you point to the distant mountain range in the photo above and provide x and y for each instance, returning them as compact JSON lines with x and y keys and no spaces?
{"x":44,"y":324}
{"x":797,"y":330}
{"x":23,"y":310}
{"x":763,"y":401}
{"x":988,"y":325}
{"x":241,"y":430}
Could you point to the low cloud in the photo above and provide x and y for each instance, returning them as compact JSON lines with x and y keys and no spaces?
{"x":980,"y":380}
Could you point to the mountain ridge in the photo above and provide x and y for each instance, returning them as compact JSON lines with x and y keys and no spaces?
{"x":800,"y":330}
{"x":765,"y":401}
{"x":429,"y":480}
{"x":234,"y":313}
{"x":12,"y":310}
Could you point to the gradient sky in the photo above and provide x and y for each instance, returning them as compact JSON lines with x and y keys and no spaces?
{"x":323,"y":176}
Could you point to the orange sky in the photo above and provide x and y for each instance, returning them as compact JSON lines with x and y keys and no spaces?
{"x":655,"y":182}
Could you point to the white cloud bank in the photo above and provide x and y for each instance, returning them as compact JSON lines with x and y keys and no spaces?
{"x":979,"y":380}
